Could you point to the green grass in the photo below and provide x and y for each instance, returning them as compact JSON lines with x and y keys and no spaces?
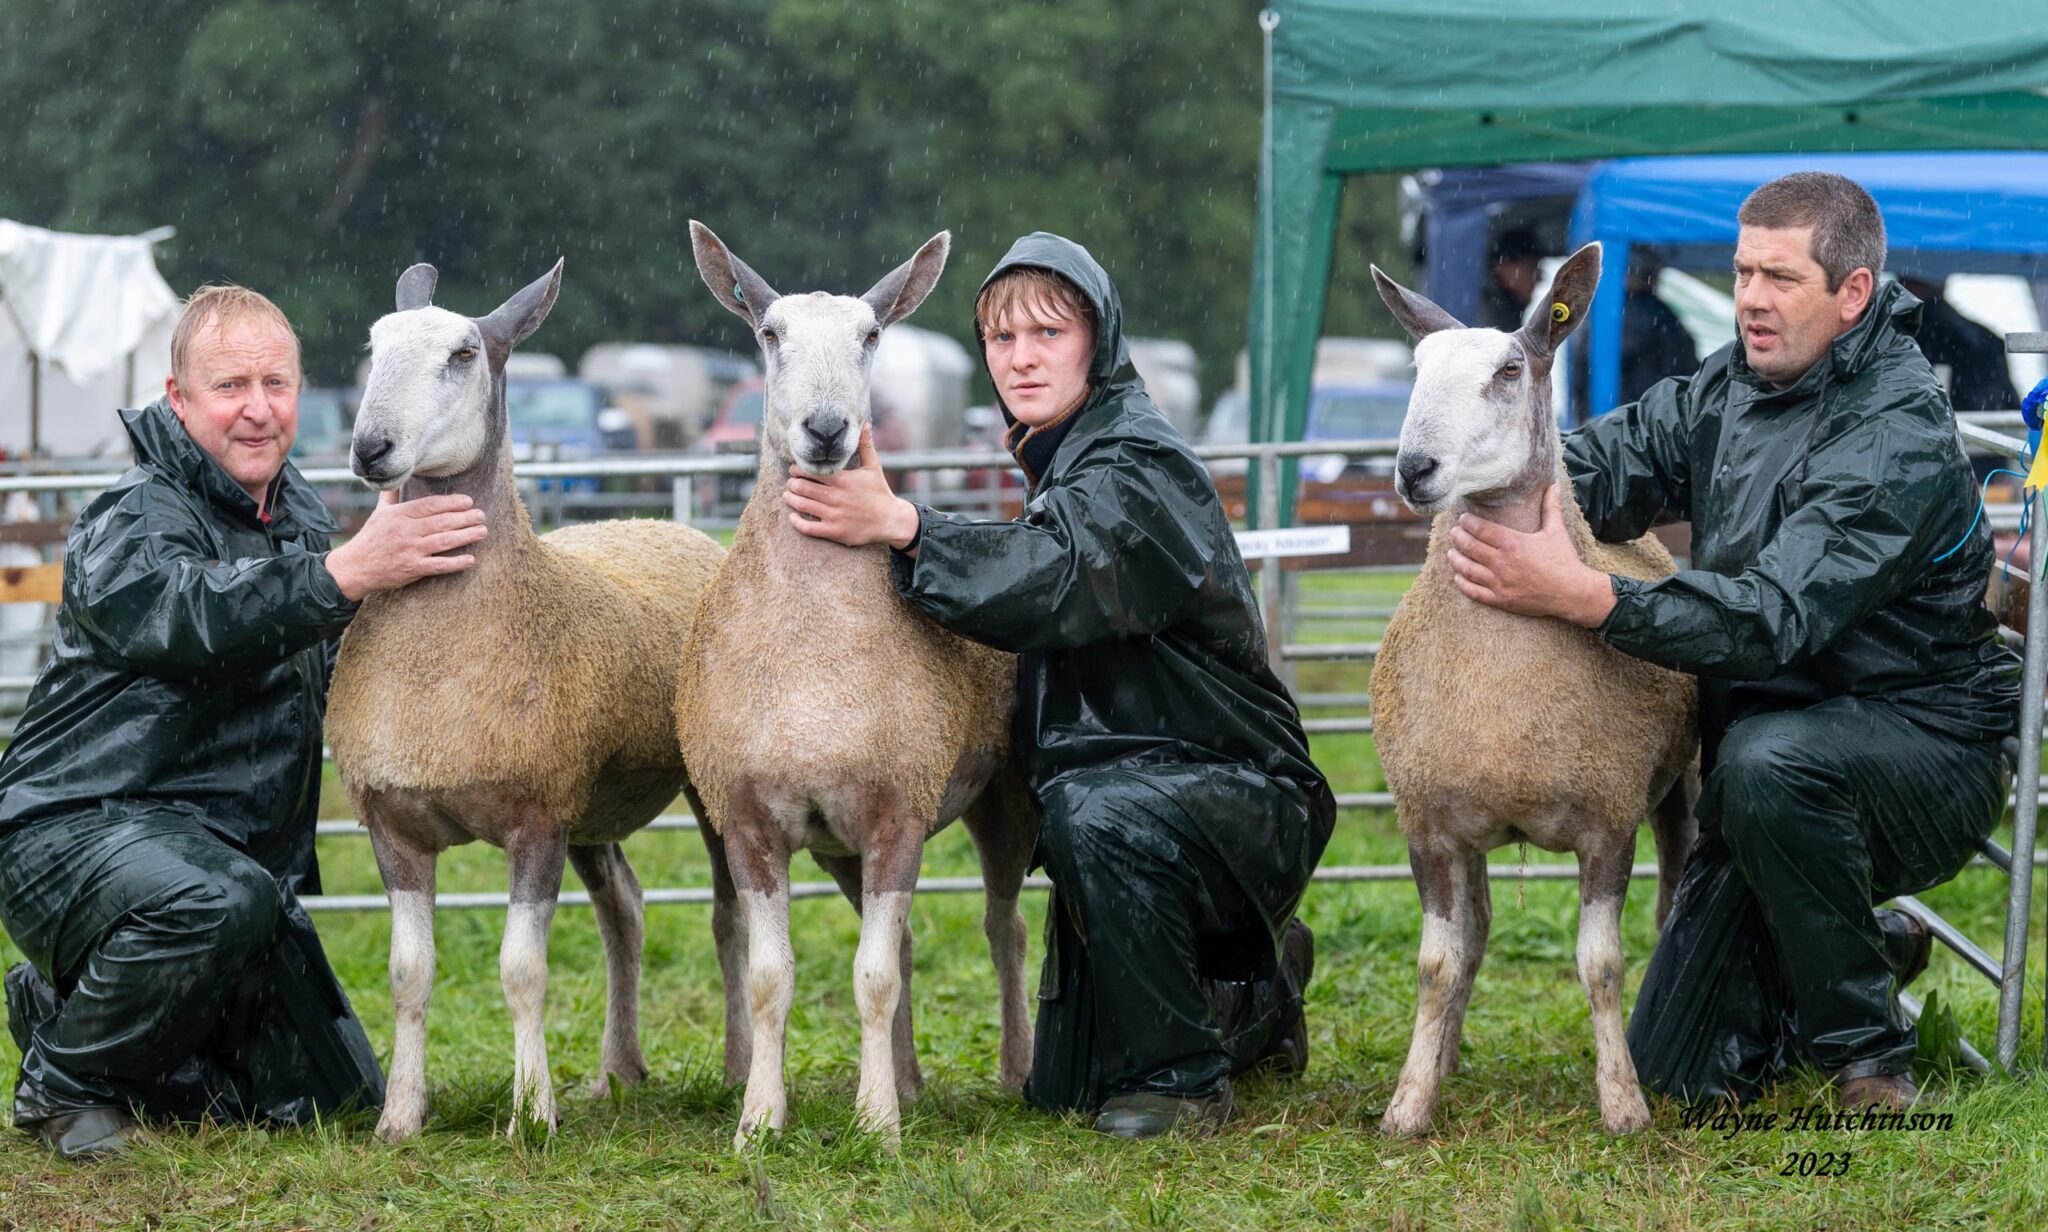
{"x":1518,"y":1143}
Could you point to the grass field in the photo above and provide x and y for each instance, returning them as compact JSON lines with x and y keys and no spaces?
{"x":1518,"y":1143}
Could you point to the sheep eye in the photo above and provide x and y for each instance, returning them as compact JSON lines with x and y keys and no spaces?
{"x":768,"y":336}
{"x":1511,"y":369}
{"x":874,"y":336}
{"x":464,"y":355}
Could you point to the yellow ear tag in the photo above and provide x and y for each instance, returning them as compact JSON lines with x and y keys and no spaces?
{"x":1560,"y":313}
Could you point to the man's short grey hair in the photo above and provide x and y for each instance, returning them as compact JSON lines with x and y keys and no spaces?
{"x":1848,"y":230}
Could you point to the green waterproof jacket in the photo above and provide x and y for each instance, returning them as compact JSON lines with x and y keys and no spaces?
{"x":1833,"y":549}
{"x":193,"y":649}
{"x":1121,"y":590}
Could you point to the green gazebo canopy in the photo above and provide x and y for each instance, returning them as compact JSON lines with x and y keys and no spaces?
{"x":1381,"y":85}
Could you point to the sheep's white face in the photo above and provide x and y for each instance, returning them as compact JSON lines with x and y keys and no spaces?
{"x":1470,"y":425}
{"x":427,"y":406}
{"x":816,"y":350}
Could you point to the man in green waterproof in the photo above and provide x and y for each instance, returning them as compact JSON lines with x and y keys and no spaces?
{"x":1181,"y":814}
{"x":1854,"y":698}
{"x":158,"y":798}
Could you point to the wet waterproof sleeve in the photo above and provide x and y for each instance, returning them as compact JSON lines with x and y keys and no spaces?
{"x":1118,"y":547}
{"x":1863,"y":530}
{"x":1630,"y":464}
{"x":142,"y":587}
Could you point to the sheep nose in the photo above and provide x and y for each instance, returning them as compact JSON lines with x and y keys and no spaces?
{"x":1415,"y":468}
{"x":370,"y":448}
{"x":825,"y":426}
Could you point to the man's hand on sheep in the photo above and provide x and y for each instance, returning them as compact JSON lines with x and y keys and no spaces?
{"x":854,"y":507}
{"x":1535,"y":573}
{"x":403,"y":541}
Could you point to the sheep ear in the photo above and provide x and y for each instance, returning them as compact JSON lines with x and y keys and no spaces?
{"x":743,"y":292}
{"x":518,"y":317}
{"x":1416,"y":313}
{"x":899,"y":293}
{"x":1561,"y":310}
{"x":416,"y":287}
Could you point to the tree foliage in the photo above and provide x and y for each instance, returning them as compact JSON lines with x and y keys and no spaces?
{"x":314,"y":148}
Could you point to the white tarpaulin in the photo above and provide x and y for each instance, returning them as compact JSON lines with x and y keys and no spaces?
{"x":98,"y":315}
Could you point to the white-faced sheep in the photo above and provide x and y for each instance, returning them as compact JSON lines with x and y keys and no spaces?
{"x":527,"y":702}
{"x":1496,"y":728}
{"x":816,"y":709}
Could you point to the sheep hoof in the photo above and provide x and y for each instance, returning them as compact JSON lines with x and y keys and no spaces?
{"x":750,"y":1136}
{"x":890,"y":1133}
{"x":615,"y":1079}
{"x":541,"y":1117}
{"x":1625,"y":1115}
{"x":1404,"y":1121}
{"x":394,"y":1129}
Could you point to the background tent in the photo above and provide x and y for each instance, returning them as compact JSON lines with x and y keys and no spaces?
{"x":1943,"y":214}
{"x":1381,"y":85}
{"x":85,"y":329}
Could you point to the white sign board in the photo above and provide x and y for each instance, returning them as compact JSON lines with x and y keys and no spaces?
{"x":1294,"y":541}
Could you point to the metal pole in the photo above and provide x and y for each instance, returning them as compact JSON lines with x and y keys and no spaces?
{"x":682,"y":496}
{"x":2027,"y":803}
{"x":35,"y":405}
{"x":1269,"y":570}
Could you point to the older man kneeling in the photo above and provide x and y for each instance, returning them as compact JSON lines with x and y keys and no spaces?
{"x":158,"y":798}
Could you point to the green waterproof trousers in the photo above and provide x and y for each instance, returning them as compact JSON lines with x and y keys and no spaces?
{"x":1161,"y":973}
{"x":1773,"y":954}
{"x":171,"y":973}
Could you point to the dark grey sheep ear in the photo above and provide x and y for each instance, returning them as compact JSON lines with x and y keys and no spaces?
{"x":519,"y":316}
{"x":899,"y":293}
{"x":743,"y":292}
{"x":1416,"y":313}
{"x":1561,"y":310}
{"x":416,"y":287}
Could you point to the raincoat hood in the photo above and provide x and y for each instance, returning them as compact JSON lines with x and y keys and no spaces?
{"x":1038,"y":449}
{"x":1044,"y":250}
{"x":161,"y":442}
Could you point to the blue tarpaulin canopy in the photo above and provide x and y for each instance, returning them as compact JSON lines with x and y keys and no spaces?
{"x":1944,"y":213}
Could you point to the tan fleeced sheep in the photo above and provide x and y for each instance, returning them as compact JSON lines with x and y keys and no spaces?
{"x":817,"y":710}
{"x":1496,"y":728}
{"x":527,"y":702}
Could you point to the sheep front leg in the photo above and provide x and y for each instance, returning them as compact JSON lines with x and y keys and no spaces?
{"x":903,"y":1036}
{"x":408,"y":874}
{"x":1004,"y":827}
{"x":1443,"y":984}
{"x":535,"y":852}
{"x":729,"y":933}
{"x":615,"y":894}
{"x":760,"y":867}
{"x":1603,"y":886}
{"x":888,"y":876}
{"x":1478,"y":922}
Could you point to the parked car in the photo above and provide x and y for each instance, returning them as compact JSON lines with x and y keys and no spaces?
{"x":558,"y":420}
{"x":1334,"y":488}
{"x":667,"y":393}
{"x":1371,"y":410}
{"x":563,"y":419}
{"x":326,"y":423}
